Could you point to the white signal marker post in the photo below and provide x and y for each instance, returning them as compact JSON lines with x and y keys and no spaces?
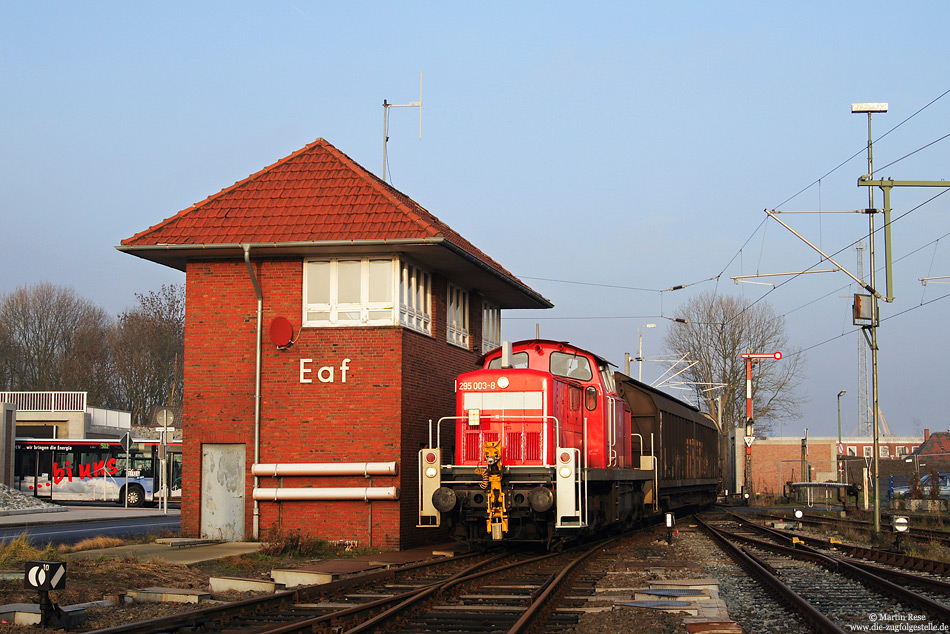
{"x":751,"y":357}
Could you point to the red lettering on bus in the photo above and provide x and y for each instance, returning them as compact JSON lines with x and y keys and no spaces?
{"x":62,"y":473}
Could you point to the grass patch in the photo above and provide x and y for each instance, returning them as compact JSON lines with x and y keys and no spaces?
{"x":243,"y":564}
{"x":15,"y":552}
{"x":92,"y":543}
{"x":929,"y":550}
{"x":294,"y":545}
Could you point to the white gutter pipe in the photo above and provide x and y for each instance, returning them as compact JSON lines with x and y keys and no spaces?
{"x":339,"y":493}
{"x":257,"y":382}
{"x":325,"y":469}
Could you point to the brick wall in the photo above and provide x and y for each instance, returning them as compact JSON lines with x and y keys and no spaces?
{"x":395,"y":381}
{"x":778,"y":460}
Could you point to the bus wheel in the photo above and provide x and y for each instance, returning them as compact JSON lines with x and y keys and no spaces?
{"x":135,"y":495}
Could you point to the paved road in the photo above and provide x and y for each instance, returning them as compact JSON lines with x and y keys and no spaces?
{"x":72,"y":532}
{"x":77,"y":523}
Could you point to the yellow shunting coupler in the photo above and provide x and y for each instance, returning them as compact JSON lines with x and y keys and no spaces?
{"x":497,"y":520}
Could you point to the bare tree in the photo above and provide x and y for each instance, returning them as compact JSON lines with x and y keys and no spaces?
{"x":717,"y":331}
{"x":148,"y":346}
{"x":52,"y":339}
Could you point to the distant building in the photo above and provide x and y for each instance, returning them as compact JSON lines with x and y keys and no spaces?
{"x":934,"y":453}
{"x":53,"y":415}
{"x":64,"y":415}
{"x":778,"y":460}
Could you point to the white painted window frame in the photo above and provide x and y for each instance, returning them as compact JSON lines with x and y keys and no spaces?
{"x":409,"y":303}
{"x":491,"y":327}
{"x":415,"y":297}
{"x":456,"y":318}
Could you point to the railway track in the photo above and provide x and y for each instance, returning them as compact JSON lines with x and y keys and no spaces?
{"x":834,"y":593}
{"x":858,"y":553}
{"x":916,"y":534}
{"x":503,"y":592}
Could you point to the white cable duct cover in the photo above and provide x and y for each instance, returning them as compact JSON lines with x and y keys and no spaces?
{"x":339,"y":493}
{"x":325,"y":469}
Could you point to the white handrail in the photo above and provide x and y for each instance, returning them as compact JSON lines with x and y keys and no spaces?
{"x":46,"y":401}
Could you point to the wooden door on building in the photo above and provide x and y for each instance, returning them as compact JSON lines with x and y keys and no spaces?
{"x":222,"y":491}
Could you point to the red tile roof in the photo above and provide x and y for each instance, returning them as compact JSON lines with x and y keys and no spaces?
{"x":316,"y":195}
{"x":938,"y":443}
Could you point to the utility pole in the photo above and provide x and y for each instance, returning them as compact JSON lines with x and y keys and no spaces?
{"x":870,"y":330}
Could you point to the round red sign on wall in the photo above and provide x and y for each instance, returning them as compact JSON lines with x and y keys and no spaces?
{"x":281,"y":331}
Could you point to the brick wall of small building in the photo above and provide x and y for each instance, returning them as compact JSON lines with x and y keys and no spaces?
{"x":220,"y":323}
{"x":395,"y":381}
{"x":776,"y":461}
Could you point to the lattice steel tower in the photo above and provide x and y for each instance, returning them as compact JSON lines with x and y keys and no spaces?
{"x":864,"y":410}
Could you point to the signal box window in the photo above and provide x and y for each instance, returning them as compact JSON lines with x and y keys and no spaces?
{"x":853,"y":451}
{"x":869,"y":452}
{"x":491,"y":327}
{"x":457,"y":317}
{"x":361,"y":292}
{"x":571,"y":366}
{"x":415,"y":301}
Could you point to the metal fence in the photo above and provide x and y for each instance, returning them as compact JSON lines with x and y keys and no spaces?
{"x":46,"y":401}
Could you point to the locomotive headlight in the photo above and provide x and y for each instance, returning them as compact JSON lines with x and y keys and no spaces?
{"x":431,"y":472}
{"x":565,"y":472}
{"x":503,"y":382}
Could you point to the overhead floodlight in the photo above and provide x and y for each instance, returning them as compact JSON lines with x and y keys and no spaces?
{"x":869,"y":107}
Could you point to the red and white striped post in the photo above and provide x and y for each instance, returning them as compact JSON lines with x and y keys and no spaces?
{"x":751,"y":357}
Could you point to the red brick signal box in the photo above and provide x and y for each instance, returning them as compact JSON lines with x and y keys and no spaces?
{"x":327,"y":315}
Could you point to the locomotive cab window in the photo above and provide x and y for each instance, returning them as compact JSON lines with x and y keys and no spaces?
{"x":518,"y":360}
{"x":607,"y":377}
{"x":571,"y":366}
{"x":590,"y":398}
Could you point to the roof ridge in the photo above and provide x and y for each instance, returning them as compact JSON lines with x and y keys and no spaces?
{"x":244,"y":181}
{"x":388,"y":191}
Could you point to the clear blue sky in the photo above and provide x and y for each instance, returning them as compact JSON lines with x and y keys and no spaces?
{"x":630,"y":144}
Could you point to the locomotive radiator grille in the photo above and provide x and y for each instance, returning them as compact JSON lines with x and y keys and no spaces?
{"x":473,"y":443}
{"x":518,"y":448}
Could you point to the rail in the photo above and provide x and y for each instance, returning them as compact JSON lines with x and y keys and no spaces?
{"x":837,"y":564}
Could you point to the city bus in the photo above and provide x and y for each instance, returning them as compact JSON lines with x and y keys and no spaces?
{"x":96,"y":470}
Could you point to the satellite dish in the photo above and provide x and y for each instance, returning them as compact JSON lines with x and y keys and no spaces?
{"x":281,"y":332}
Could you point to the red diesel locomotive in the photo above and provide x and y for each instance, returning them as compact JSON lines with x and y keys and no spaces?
{"x":549,"y":443}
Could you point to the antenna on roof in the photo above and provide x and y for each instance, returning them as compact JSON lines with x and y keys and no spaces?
{"x":386,"y":107}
